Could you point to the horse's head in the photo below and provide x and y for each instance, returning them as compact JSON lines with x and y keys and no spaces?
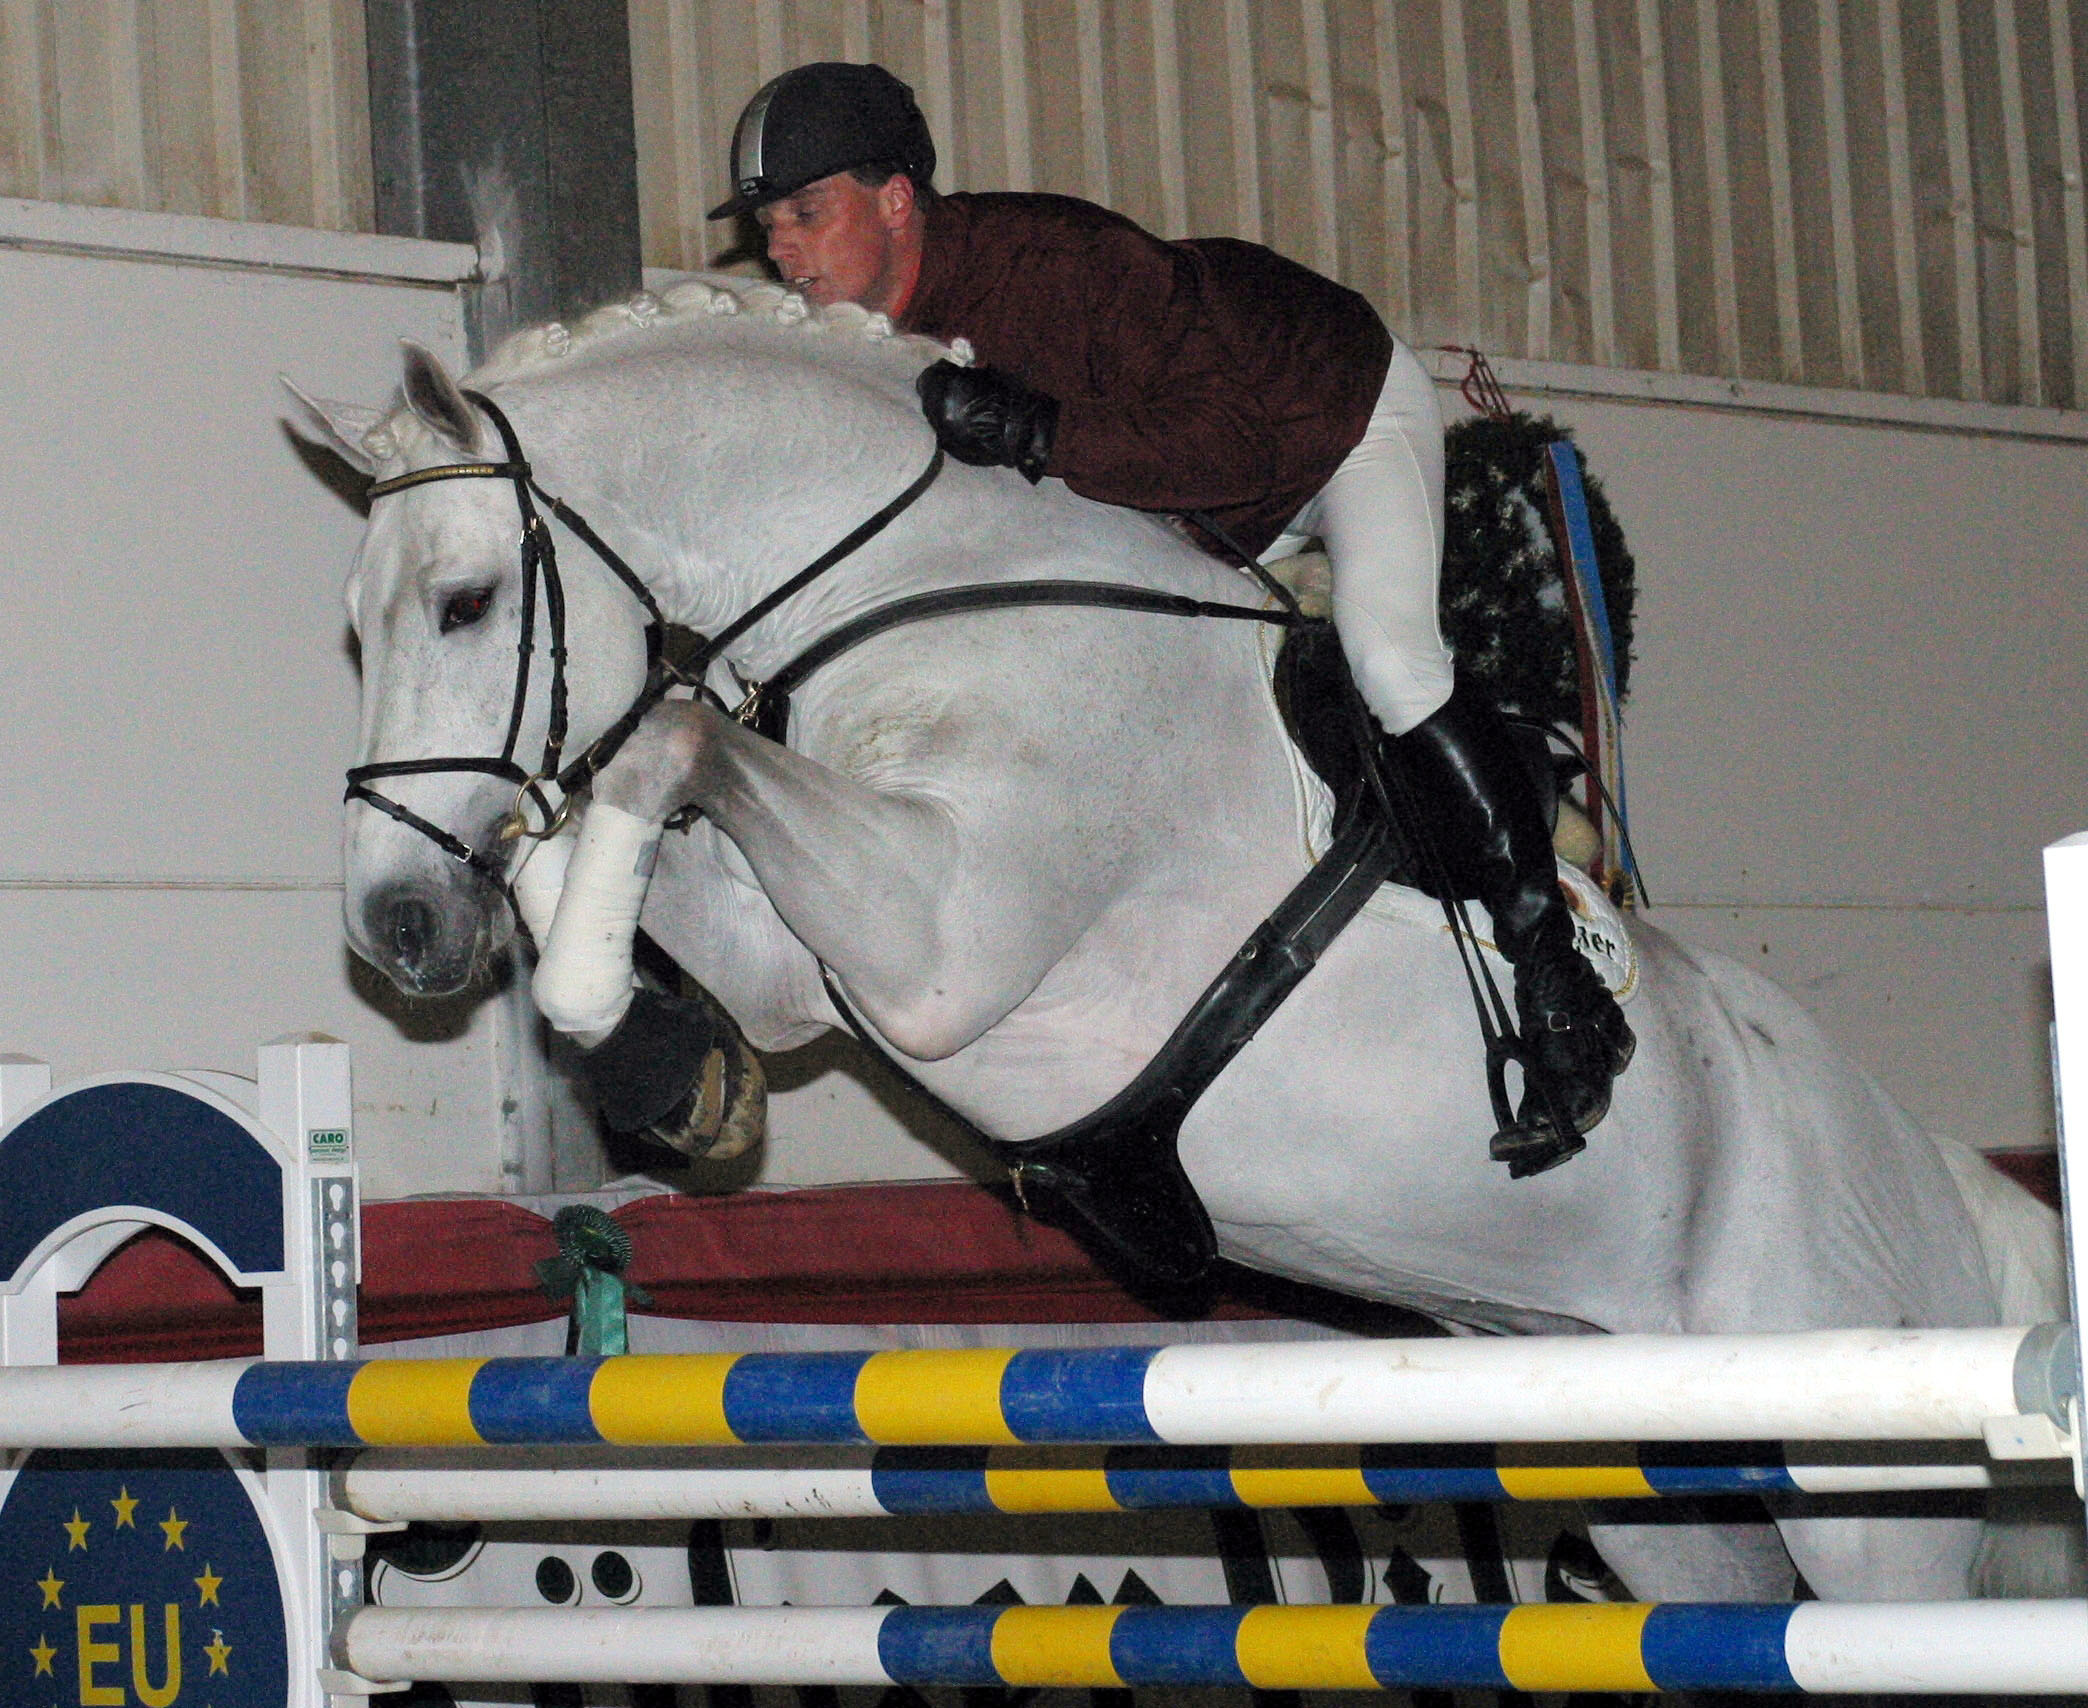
{"x":457,"y":621}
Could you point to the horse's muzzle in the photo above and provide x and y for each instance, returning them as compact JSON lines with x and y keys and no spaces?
{"x":429,"y":938}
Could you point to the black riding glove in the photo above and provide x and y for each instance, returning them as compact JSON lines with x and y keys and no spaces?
{"x":987,"y":418}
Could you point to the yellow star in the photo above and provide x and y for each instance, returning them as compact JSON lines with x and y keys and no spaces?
{"x":44,"y":1654}
{"x":50,"y":1583}
{"x":207,"y":1587}
{"x":174,"y":1527}
{"x":125,"y":1504}
{"x":77,"y":1530}
{"x":219,"y":1652}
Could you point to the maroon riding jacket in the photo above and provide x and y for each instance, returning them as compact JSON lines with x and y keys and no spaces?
{"x":1207,"y":375}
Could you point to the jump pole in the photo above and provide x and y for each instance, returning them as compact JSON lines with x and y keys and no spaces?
{"x":1825,"y":1385}
{"x":1993,"y":1647}
{"x":505,"y":1485}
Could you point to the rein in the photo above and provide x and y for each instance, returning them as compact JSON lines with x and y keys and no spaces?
{"x":766,"y":709}
{"x":675,"y":656}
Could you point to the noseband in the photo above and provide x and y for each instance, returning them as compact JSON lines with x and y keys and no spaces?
{"x":675,"y":656}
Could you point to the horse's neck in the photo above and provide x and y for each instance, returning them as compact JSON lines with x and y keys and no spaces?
{"x":713,"y":517}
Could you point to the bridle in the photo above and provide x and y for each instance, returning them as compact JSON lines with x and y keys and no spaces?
{"x":675,"y":656}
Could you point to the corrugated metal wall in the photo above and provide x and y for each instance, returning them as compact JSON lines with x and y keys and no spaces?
{"x":241,"y":109}
{"x":1881,"y":194}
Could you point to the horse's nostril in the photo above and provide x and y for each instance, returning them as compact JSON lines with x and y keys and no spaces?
{"x":425,"y":937}
{"x":411,"y":929}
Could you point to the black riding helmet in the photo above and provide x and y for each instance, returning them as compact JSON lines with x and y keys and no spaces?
{"x":820,"y":119}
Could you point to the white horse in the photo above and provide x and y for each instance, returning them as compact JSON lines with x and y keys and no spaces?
{"x":1023,"y":841}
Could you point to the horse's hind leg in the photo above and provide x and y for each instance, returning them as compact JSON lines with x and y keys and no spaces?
{"x":1692,"y":1550}
{"x":1671,"y":1555}
{"x":1926,"y":1557}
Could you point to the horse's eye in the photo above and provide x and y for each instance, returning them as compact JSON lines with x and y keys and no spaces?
{"x":463,"y":609}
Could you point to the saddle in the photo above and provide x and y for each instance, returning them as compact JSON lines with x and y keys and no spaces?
{"x":1317,"y":698}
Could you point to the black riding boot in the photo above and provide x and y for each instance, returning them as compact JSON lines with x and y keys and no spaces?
{"x":1480,"y":799}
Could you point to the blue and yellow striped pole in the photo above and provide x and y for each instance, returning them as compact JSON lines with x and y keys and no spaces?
{"x":1810,"y":1646}
{"x":497,"y":1485}
{"x":1845,"y":1384}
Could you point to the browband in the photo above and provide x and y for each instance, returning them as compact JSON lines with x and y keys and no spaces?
{"x":448,"y":471}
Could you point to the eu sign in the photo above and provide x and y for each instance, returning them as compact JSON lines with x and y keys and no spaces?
{"x":137,"y":1580}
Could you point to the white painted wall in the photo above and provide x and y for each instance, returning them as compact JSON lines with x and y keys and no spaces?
{"x":176,"y":694}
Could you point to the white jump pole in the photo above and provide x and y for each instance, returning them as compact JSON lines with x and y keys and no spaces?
{"x":497,"y":1485}
{"x":1999,"y":1648}
{"x":1824,"y":1385}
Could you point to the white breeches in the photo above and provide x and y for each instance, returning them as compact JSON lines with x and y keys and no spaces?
{"x":1381,"y":520}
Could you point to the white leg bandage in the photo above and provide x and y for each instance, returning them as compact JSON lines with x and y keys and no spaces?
{"x":539,"y":879}
{"x":583,"y":979}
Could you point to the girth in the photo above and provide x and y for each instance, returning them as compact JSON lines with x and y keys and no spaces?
{"x":1114,"y":1177}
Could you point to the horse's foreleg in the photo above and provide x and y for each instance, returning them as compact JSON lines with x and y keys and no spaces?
{"x":584,"y":974}
{"x":676,"y":1068}
{"x":912,"y":903}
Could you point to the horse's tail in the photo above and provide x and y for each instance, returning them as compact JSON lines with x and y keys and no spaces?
{"x":2033,"y":1546}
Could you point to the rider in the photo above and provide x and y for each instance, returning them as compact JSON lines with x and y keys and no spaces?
{"x":1209,"y":376}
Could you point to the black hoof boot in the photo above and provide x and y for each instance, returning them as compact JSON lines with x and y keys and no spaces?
{"x":725,"y":1113}
{"x":1127,"y":1201}
{"x":653,"y":1063}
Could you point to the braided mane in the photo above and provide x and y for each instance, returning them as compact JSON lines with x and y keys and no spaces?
{"x":721,"y":307}
{"x":711,"y":306}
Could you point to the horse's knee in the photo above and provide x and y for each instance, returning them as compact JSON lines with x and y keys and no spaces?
{"x":653,"y":772}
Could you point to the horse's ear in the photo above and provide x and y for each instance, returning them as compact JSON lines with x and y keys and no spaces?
{"x":348,"y":428}
{"x":437,"y":399}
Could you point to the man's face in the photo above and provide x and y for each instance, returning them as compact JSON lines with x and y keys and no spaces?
{"x":834,"y":240}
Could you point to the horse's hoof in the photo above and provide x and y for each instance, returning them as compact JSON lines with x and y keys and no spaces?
{"x":725,"y":1113}
{"x":652,"y":1062}
{"x":677,"y":1071}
